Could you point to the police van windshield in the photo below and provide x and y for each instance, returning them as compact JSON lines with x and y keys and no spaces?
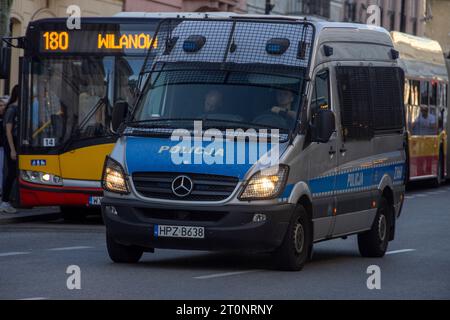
{"x":230,"y":98}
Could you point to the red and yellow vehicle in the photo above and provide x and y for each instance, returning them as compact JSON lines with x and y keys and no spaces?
{"x":426,"y":103}
{"x":70,"y":80}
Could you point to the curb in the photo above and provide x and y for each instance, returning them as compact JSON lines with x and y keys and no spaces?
{"x":31,"y":217}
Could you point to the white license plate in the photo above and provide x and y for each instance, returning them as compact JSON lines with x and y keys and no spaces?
{"x":95,"y":201}
{"x":179,"y":232}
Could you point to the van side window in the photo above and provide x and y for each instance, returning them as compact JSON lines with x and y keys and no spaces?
{"x":387,"y":103}
{"x":371,"y":100}
{"x":320,"y":98}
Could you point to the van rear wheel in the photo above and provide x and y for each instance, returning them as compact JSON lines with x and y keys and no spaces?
{"x":120,"y":253}
{"x":374,"y":243}
{"x":297,"y":244}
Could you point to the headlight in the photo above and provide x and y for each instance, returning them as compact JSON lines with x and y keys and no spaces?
{"x":114,"y":178}
{"x":266,"y":184}
{"x":40,"y":177}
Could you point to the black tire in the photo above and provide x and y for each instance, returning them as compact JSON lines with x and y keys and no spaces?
{"x":73,"y":214}
{"x":374,"y":243}
{"x":297,"y":244}
{"x":122,"y":254}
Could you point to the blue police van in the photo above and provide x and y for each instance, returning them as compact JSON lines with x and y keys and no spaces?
{"x":259,"y":133}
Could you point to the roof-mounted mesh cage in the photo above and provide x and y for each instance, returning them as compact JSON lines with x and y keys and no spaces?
{"x":239,"y":42}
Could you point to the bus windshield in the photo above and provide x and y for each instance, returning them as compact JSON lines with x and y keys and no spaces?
{"x":73,"y":96}
{"x":232,"y":98}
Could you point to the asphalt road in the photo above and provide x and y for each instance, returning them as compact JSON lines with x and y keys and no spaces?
{"x":34,"y":258}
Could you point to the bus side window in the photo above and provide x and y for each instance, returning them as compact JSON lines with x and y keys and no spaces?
{"x":424,"y":93}
{"x":408,"y":89}
{"x":320,"y":96}
{"x":433,"y":93}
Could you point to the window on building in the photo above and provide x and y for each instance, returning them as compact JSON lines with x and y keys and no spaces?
{"x":350,"y":11}
{"x":392,"y":21}
{"x":316,"y":7}
{"x":413,"y":8}
{"x":391,"y":14}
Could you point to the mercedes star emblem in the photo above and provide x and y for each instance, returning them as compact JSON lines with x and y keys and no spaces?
{"x":182,"y":186}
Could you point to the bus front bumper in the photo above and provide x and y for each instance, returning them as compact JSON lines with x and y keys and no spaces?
{"x":226,"y":227}
{"x":36,"y":195}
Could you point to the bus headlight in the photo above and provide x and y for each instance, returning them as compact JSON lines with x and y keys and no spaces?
{"x":266,"y":184}
{"x":114,"y":178}
{"x":40,"y":177}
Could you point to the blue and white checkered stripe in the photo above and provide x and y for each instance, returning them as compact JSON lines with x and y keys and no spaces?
{"x":336,"y":183}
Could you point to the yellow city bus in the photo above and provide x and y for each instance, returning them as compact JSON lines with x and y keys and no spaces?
{"x":426,"y":102}
{"x":70,"y":80}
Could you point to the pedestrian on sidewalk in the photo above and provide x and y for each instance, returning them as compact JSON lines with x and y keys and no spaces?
{"x":10,"y":134}
{"x":3,"y":102}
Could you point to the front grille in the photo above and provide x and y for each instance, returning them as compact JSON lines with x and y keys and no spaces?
{"x":181,"y":215}
{"x":206,"y":187}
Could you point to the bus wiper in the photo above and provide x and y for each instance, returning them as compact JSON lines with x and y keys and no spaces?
{"x":102,"y":101}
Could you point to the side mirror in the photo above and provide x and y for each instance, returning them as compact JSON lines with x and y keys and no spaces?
{"x":119,"y":114}
{"x":324,"y":126}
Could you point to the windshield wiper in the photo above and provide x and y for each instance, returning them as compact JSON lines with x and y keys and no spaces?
{"x":154,"y":123}
{"x":220,"y":124}
{"x":77,"y":130}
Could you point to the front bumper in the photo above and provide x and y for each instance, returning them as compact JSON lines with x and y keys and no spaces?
{"x":228,"y":227}
{"x":34,"y":195}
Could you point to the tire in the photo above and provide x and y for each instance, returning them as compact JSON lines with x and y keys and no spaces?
{"x":374,"y":243}
{"x":122,"y":254}
{"x":297,"y":244}
{"x":73,"y":214}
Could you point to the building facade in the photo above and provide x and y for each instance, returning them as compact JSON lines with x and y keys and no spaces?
{"x":429,"y":18}
{"x":24,"y":11}
{"x":325,"y":9}
{"x":238,"y":6}
{"x":409,"y":16}
{"x":438,"y":27}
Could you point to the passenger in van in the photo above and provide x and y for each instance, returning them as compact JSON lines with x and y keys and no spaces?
{"x":285,"y":99}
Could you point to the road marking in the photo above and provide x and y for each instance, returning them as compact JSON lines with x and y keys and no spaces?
{"x":226,"y":274}
{"x":400,"y":251}
{"x":70,"y":248}
{"x":7,"y":254}
{"x":31,"y":299}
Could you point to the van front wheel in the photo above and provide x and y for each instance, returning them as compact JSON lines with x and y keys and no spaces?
{"x":122,"y":254}
{"x":296,"y":247}
{"x":374,"y":243}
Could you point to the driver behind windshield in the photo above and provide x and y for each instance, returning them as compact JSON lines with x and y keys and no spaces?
{"x":213,"y":102}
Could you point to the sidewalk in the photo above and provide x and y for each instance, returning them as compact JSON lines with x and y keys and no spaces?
{"x":30,"y":215}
